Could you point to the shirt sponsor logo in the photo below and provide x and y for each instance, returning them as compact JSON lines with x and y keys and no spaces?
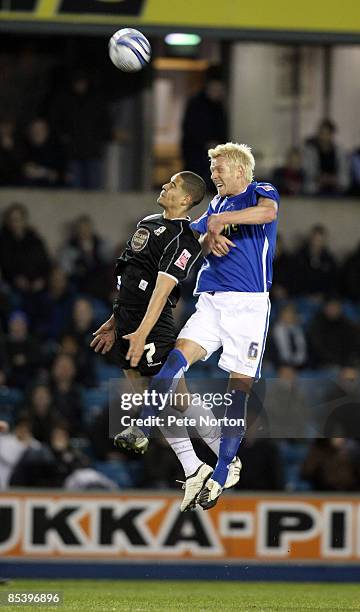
{"x":160,"y":230}
{"x":140,"y":239}
{"x":183,"y":259}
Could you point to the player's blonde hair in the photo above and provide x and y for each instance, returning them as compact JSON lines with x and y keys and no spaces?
{"x":236,"y":154}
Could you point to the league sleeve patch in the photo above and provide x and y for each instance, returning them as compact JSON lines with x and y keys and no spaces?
{"x":268,"y":191}
{"x":183,"y":259}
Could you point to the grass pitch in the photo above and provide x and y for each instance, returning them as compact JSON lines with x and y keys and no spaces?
{"x":171,"y":596}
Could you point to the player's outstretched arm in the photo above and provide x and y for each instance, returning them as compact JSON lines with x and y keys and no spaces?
{"x":264,"y":212}
{"x":137,"y":340}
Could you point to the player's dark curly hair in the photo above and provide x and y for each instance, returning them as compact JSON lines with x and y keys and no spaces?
{"x":194,"y":185}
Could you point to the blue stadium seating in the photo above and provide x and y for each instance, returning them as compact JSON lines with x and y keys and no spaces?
{"x":105,"y":371}
{"x":125,"y":473}
{"x":293,"y":454}
{"x":94,"y":400}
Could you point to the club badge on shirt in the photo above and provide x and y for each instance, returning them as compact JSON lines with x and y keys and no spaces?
{"x":182,"y":260}
{"x":140,"y":239}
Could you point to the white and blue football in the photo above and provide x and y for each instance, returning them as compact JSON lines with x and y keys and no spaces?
{"x":129,"y":50}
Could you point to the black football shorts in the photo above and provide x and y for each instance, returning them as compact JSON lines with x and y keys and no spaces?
{"x":160,"y":341}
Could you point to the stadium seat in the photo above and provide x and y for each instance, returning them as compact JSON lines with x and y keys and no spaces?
{"x":293,"y":455}
{"x":94,"y":400}
{"x":124,"y":473}
{"x":307,"y":309}
{"x":101,"y":310}
{"x":105,"y":371}
{"x":352,"y":311}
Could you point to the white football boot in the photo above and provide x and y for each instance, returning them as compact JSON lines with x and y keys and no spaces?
{"x":233,"y":476}
{"x":209,"y":494}
{"x":193,"y":485}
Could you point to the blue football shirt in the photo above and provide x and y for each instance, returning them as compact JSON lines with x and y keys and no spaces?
{"x":248,"y":267}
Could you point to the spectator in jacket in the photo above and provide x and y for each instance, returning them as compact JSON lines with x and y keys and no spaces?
{"x":334,"y":339}
{"x":12,"y":447}
{"x":25,"y":273}
{"x":42,"y":413}
{"x":283,"y":281}
{"x":20,"y":352}
{"x":341,"y":405}
{"x":66,"y":393}
{"x":43,"y":157}
{"x":316,"y":273}
{"x":289,"y":178}
{"x":85,"y":258}
{"x":288,"y":341}
{"x":51,"y":311}
{"x":325,"y":164}
{"x":333,"y":465}
{"x":10,"y":155}
{"x":81,"y":118}
{"x":204,"y":125}
{"x":350,"y":275}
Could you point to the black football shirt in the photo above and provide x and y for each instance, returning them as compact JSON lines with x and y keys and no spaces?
{"x":158,"y":245}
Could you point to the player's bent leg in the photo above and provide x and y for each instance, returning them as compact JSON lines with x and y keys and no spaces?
{"x":170,"y":374}
{"x":134,"y":438}
{"x":191,"y":350}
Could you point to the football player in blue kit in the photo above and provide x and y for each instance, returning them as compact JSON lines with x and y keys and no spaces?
{"x":238,"y":235}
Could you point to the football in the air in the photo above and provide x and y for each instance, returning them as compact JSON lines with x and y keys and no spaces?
{"x":129,"y":50}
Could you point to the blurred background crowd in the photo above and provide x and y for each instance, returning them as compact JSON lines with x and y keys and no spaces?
{"x":64,"y":144}
{"x":70,"y":120}
{"x":54,"y":389}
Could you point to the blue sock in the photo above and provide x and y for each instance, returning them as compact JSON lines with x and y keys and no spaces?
{"x":231,"y":436}
{"x":172,"y":370}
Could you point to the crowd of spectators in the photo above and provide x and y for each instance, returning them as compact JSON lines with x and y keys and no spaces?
{"x":64,"y":144}
{"x":54,"y":389}
{"x":62,"y":148}
{"x":320,"y":167}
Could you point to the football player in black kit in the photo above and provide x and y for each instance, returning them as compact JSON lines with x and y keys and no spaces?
{"x":159,"y":255}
